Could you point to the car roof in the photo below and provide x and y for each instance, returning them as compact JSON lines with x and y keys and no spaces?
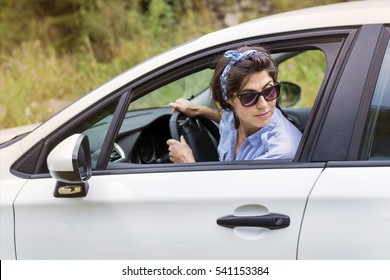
{"x":342,"y":14}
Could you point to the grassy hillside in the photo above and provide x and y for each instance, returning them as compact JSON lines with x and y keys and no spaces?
{"x":53,"y":52}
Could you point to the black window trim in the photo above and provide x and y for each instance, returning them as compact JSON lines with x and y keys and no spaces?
{"x":368,"y":95}
{"x":113,"y":130}
{"x":346,"y":95}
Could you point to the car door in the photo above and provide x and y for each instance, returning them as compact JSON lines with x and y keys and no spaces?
{"x":348,"y":212}
{"x":164,"y":215}
{"x":208,"y":210}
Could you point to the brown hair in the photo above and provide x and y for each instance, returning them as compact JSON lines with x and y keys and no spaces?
{"x":240,"y":73}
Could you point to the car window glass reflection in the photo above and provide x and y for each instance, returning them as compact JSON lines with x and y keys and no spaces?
{"x":376,"y":145}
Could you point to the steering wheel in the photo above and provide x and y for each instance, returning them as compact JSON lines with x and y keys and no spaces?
{"x":201,"y":134}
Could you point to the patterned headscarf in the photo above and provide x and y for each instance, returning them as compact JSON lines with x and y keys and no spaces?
{"x":235,"y":57}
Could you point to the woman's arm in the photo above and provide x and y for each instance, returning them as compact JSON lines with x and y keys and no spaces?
{"x":192,"y":110}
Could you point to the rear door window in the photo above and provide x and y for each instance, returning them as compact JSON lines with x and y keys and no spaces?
{"x":376,"y":143}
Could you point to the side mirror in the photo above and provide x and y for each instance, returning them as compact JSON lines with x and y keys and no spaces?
{"x":290,"y":94}
{"x":70,"y":164}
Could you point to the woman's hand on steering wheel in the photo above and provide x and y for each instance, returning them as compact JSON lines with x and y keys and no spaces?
{"x":180,"y":152}
{"x":201,"y":133}
{"x":185,"y":106}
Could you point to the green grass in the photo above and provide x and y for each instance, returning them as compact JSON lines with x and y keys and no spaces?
{"x":36,"y":81}
{"x":43,"y":68}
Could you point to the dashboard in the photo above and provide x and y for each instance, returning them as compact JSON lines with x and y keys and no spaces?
{"x":142,"y":138}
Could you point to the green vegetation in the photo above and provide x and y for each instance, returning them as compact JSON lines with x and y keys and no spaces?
{"x":53,"y":52}
{"x":296,"y":70}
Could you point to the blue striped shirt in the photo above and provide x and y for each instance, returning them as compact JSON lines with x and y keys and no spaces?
{"x":279,"y":139}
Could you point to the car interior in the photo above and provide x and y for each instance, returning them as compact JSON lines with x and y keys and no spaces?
{"x":147,"y":126}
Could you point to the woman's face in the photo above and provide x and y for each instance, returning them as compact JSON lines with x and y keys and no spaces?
{"x":254,"y":117}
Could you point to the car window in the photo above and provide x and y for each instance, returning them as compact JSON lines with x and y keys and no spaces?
{"x":306,"y":69}
{"x":187,"y":88}
{"x":94,"y":123}
{"x":376,"y":144}
{"x":145,"y":129}
{"x":95,"y":126}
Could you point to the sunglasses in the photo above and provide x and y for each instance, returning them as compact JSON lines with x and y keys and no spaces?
{"x":250,"y":98}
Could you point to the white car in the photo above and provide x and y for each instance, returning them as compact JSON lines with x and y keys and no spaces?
{"x":95,"y":181}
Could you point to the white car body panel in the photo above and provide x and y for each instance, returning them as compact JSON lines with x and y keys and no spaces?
{"x":9,"y":133}
{"x":135,"y":216}
{"x":362,"y":201}
{"x":9,"y":188}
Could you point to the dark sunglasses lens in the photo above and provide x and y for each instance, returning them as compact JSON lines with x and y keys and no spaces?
{"x":249,"y":99}
{"x":271,"y":93}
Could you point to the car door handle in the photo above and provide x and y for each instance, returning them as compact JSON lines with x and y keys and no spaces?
{"x":270,"y":221}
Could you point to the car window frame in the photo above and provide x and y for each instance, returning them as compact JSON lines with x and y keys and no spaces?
{"x":366,"y":55}
{"x":324,"y":39}
{"x":33,"y":163}
{"x":318,"y":38}
{"x":365,"y":104}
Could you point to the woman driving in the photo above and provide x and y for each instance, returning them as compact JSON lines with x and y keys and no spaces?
{"x":245,"y":87}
